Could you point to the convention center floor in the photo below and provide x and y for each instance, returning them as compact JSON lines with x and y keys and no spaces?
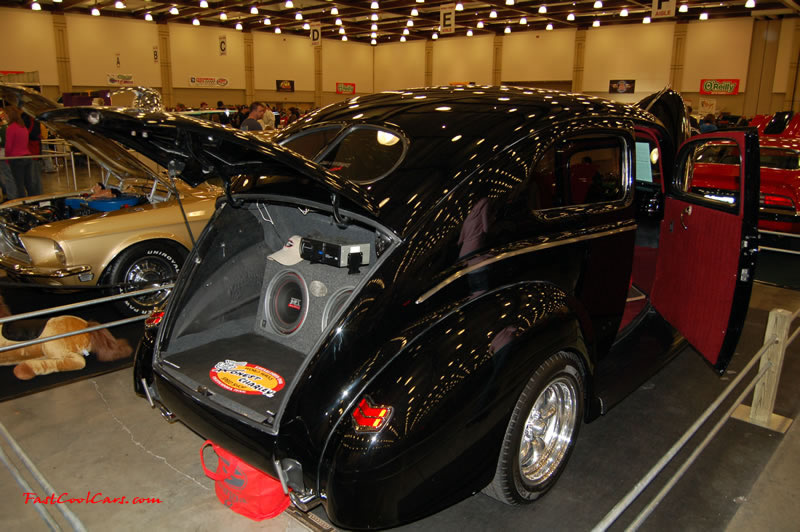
{"x":95,"y":436}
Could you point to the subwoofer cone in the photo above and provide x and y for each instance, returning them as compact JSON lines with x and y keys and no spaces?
{"x":335,"y":304}
{"x":287,"y":302}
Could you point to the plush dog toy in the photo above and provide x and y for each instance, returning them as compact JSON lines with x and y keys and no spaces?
{"x":64,"y":354}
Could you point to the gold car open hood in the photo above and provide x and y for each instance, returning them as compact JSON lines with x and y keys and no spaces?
{"x":105,"y":152}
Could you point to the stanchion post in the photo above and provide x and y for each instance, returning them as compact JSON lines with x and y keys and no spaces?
{"x":761,"y":412}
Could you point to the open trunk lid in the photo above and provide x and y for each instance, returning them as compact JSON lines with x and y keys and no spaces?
{"x":197,"y":150}
{"x":668,"y":106}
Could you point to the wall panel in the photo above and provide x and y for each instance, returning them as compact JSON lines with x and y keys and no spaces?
{"x":717,"y":49}
{"x":347,"y":62}
{"x":538,"y":55}
{"x":283,"y":57}
{"x":94,"y":43}
{"x":195,"y":52}
{"x":28,"y":43}
{"x":399,"y":65}
{"x":641,"y":52}
{"x":463,"y":59}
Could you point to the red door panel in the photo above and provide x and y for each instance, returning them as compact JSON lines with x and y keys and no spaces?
{"x":706,"y":253}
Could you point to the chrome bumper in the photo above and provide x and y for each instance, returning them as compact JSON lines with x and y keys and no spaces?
{"x":16,"y":267}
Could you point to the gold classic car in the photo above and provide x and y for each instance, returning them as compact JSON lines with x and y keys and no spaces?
{"x":135,"y":234}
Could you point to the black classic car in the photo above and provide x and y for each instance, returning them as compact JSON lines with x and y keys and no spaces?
{"x":410,"y":297}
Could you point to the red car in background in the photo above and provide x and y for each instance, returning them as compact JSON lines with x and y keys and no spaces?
{"x":716,"y":176}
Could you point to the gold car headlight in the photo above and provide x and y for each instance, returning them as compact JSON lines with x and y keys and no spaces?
{"x":60,"y":255}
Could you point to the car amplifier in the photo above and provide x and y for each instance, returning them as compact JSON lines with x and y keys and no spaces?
{"x":338,"y":254}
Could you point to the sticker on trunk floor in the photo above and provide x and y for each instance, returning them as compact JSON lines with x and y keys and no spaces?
{"x":246,"y":378}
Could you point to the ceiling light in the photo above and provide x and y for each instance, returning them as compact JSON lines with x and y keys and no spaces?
{"x":402,"y":38}
{"x":373,"y":42}
{"x":95,"y":12}
{"x":523,"y":20}
{"x":195,"y":22}
{"x":36,"y":7}
{"x":598,"y":4}
{"x":596,"y":24}
{"x":549,"y":26}
{"x":254,"y":10}
{"x":267,"y":21}
{"x":704,"y":16}
{"x":405,"y":31}
{"x":277,"y":30}
{"x":119,"y":4}
{"x":509,"y":2}
{"x":414,"y":12}
{"x":435,"y":36}
{"x":542,"y":9}
{"x":374,"y":5}
{"x":341,"y":31}
{"x":480,"y":24}
{"x":57,"y":1}
{"x":373,"y":35}
{"x":750,"y":4}
{"x":469,"y":33}
{"x":571,"y":16}
{"x":223,"y":16}
{"x":239,"y":26}
{"x":492,"y":14}
{"x":298,"y":16}
{"x":459,"y":7}
{"x":373,"y":17}
{"x":684,"y":8}
{"x":338,"y":22}
{"x":374,"y":27}
{"x":203,"y":4}
{"x":646,"y":20}
{"x":334,"y":10}
{"x":623,"y":13}
{"x":289,"y":4}
{"x":148,"y":17}
{"x":420,"y":1}
{"x":173,"y":10}
{"x":507,"y":30}
{"x":344,"y":37}
{"x":306,"y":26}
{"x":410,"y":23}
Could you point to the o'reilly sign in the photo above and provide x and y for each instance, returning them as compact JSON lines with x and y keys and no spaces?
{"x":719,"y":86}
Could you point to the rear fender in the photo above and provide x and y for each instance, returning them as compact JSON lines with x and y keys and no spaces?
{"x":451,"y":389}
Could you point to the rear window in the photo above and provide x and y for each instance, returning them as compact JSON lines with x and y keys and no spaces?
{"x":361,"y":154}
{"x":781,"y":159}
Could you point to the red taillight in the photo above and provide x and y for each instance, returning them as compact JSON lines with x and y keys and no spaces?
{"x":370,"y":418}
{"x":773,"y":200}
{"x":154,"y":319}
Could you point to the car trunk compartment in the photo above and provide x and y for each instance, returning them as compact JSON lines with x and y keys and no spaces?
{"x":252,"y":311}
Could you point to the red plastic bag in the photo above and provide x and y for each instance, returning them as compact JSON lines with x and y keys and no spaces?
{"x":243,"y":488}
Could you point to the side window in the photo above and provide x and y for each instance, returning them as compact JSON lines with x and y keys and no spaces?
{"x":711,"y":172}
{"x":579,"y":171}
{"x":310,"y":143}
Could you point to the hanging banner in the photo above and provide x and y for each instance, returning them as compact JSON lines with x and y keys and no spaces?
{"x":663,"y":8}
{"x":284,"y":85}
{"x":223,"y":45}
{"x":447,"y":19}
{"x":345,"y":88}
{"x":719,"y":86}
{"x":200,"y":81}
{"x":621,"y":86}
{"x":120,"y":79}
{"x":316,"y":34}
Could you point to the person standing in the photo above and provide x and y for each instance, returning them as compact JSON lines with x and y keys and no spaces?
{"x":708,"y":124}
{"x":268,"y":120}
{"x":251,"y":123}
{"x":33,"y":182}
{"x":17,"y":146}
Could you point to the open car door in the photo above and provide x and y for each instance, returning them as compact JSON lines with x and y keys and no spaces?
{"x":708,"y":241}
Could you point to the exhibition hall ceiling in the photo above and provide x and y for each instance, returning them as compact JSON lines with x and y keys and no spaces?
{"x":380,"y":21}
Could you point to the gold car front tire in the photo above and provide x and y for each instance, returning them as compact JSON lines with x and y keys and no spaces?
{"x":145,"y":265}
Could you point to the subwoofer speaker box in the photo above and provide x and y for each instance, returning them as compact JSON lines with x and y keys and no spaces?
{"x":335,"y":304}
{"x":287,"y":302}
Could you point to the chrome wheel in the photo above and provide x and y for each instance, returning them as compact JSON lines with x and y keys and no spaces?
{"x":149,"y":272}
{"x":548,"y":431}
